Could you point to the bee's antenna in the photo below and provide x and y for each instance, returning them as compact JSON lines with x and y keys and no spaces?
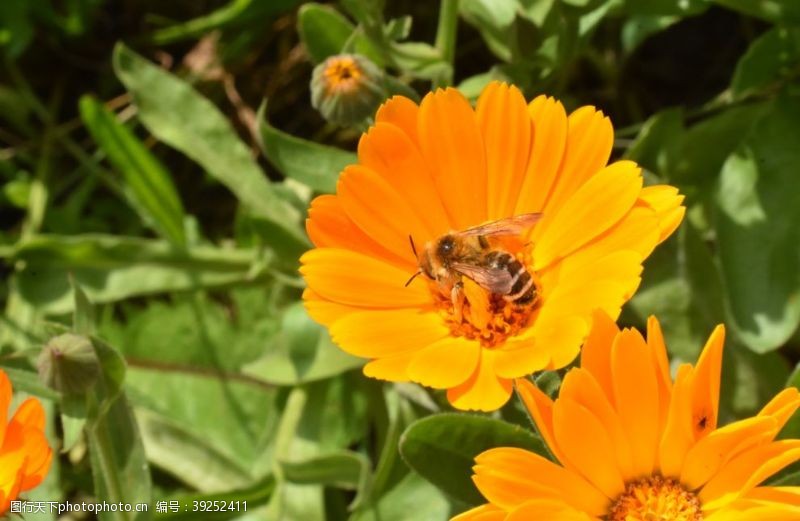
{"x":414,"y":276}
{"x":413,"y":247}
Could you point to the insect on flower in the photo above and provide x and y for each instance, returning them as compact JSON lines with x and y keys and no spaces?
{"x":475,"y":254}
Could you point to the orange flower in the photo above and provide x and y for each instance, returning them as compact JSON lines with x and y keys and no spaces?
{"x":633,"y":445}
{"x":24,"y":453}
{"x":427,"y":170}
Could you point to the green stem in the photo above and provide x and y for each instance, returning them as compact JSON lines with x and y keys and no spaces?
{"x":446,"y":39}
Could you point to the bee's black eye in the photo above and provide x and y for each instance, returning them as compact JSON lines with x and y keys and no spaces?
{"x":445,"y":246}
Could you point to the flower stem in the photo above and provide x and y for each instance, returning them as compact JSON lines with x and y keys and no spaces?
{"x":446,"y":40}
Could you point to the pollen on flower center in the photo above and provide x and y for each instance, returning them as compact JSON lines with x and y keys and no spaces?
{"x":656,"y":499}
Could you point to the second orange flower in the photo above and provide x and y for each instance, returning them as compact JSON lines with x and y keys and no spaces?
{"x":578,"y":228}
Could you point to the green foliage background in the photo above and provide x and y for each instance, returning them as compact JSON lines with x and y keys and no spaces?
{"x":152,"y":201}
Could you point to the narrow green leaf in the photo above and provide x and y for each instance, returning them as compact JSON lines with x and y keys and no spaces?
{"x":312,"y":164}
{"x":146,"y":178}
{"x":28,"y":382}
{"x":83,"y":316}
{"x":442,"y":448}
{"x":180,"y":117}
{"x":346,"y":469}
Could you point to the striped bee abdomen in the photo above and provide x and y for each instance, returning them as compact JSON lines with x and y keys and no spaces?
{"x":522,"y":289}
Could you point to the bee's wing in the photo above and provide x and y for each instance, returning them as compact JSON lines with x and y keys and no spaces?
{"x":509,"y":226}
{"x":494,"y":280}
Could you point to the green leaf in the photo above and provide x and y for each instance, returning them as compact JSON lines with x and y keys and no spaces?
{"x":180,"y":117}
{"x":773,"y":57}
{"x":28,"y":382}
{"x":419,"y":59}
{"x":777,"y":11}
{"x":323,"y":30}
{"x":412,"y":494}
{"x":301,"y":352}
{"x":442,"y":448}
{"x":83,"y":316}
{"x":759,"y":242}
{"x":346,"y":469}
{"x":111,"y":268}
{"x":148,"y":181}
{"x":314,"y":165}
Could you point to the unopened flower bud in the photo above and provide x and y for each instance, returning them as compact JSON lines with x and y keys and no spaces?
{"x":68,"y":363}
{"x":347,"y":88}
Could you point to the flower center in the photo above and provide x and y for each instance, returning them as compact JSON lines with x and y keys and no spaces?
{"x":342,"y":73}
{"x":656,"y":499}
{"x":489,"y":318}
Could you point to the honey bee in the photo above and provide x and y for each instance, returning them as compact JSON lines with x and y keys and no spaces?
{"x":472,"y":253}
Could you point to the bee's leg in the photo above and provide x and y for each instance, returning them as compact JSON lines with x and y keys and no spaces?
{"x":457,"y":296}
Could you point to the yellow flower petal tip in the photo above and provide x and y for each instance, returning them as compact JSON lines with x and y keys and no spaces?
{"x":500,"y":228}
{"x":24,"y":454}
{"x":616,"y":464}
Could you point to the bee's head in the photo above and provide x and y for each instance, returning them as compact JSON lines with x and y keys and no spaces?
{"x":445,"y":248}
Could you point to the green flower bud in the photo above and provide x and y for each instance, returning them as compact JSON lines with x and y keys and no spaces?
{"x":347,"y":88}
{"x":68,"y":363}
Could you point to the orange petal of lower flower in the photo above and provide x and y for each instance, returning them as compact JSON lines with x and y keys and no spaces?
{"x":596,"y":353}
{"x":747,"y":470}
{"x":484,"y":390}
{"x":548,"y":509}
{"x":452,"y":144}
{"x":540,"y":407}
{"x":666,"y":201}
{"x":355,"y":279}
{"x":506,"y":127}
{"x":709,"y":454}
{"x":446,"y":363}
{"x":482,"y":513}
{"x":677,"y":438}
{"x":587,"y":446}
{"x":5,"y":402}
{"x":594,"y":208}
{"x":400,"y":112}
{"x":707,"y":372}
{"x":380,"y":333}
{"x":581,"y":387}
{"x":782,"y":407}
{"x":509,"y":477}
{"x":636,"y":397}
{"x":658,"y":352}
{"x":547,"y":150}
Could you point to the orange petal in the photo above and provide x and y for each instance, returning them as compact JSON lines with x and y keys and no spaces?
{"x":587,"y":446}
{"x":545,"y":342}
{"x":658,"y":352}
{"x":666,"y":201}
{"x":382,"y":213}
{"x":328,"y":226}
{"x":379,"y":333}
{"x":487,"y":512}
{"x":677,"y":438}
{"x":508,"y":477}
{"x":623,"y":267}
{"x":540,"y":407}
{"x":561,"y":337}
{"x":484,"y":390}
{"x":708,"y":455}
{"x":549,"y":121}
{"x":324,"y":311}
{"x":580,"y":387}
{"x":400,"y":112}
{"x":389,"y":152}
{"x":452,"y":144}
{"x":390,"y":368}
{"x":636,"y":397}
{"x":594,"y":208}
{"x":548,"y":509}
{"x":446,"y":363}
{"x":782,"y":407}
{"x":788,"y":495}
{"x":5,"y":402}
{"x":355,"y":279}
{"x":506,"y":127}
{"x":596,"y":354}
{"x":747,"y":470}
{"x":590,"y":137}
{"x":705,"y":399}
